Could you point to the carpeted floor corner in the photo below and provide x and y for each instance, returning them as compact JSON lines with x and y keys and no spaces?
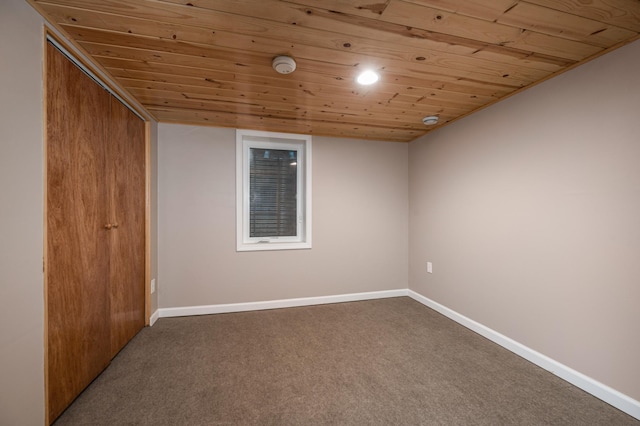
{"x":380,"y":362}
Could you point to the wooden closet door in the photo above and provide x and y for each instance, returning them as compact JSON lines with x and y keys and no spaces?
{"x":126,"y":167}
{"x":77,"y":301}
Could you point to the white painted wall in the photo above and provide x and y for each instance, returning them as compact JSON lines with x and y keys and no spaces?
{"x":530,"y":213}
{"x":360,"y":209}
{"x":21,"y":216}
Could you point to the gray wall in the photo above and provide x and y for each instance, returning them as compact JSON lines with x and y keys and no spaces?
{"x":360,"y":209}
{"x":530,"y":213}
{"x":21,"y":216}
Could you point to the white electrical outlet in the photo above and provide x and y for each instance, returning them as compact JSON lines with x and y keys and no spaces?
{"x":153,"y":285}
{"x":430,"y":267}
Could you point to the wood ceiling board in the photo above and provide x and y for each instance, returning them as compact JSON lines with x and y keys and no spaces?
{"x":388,"y":86}
{"x":192,"y":77}
{"x":319,"y":72}
{"x":210,"y":59}
{"x":554,"y":46}
{"x":564,"y":25}
{"x":621,"y":13}
{"x":522,"y":61}
{"x":353,"y":38}
{"x":487,"y":10}
{"x":380,"y":115}
{"x":234,"y":41}
{"x":532,"y":60}
{"x":439,"y":21}
{"x":317,"y":57}
{"x":209,"y":66}
{"x":155,"y":71}
{"x":318,"y":127}
{"x":394,"y":105}
{"x":282,"y":125}
{"x":365,"y":8}
{"x":257,"y":27}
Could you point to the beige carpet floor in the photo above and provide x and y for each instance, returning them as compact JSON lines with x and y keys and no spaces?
{"x":380,"y":362}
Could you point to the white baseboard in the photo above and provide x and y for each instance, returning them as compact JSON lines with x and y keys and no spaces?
{"x":154,"y":317}
{"x":595,"y":388}
{"x":276,"y":304}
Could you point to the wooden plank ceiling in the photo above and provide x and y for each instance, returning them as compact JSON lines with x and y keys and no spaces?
{"x":209,"y":61}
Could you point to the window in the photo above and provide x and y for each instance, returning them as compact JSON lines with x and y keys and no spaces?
{"x":273,"y":191}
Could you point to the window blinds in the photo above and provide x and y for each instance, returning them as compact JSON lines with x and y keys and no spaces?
{"x":273,"y":176}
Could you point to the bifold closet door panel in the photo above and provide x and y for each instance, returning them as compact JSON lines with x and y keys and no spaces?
{"x":77,"y":300}
{"x":127,"y":199}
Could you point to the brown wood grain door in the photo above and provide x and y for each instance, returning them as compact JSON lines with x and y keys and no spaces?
{"x":77,"y":302}
{"x":126,"y":167}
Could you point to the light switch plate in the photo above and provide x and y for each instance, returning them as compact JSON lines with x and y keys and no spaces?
{"x":430,"y":267}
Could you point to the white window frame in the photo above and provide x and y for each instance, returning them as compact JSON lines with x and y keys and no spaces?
{"x":247,"y":139}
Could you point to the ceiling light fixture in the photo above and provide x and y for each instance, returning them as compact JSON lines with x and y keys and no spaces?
{"x":367,"y":77}
{"x":284,"y":64}
{"x":430,"y":120}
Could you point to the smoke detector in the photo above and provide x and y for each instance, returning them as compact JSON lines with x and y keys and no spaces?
{"x":430,"y":120}
{"x":284,"y":64}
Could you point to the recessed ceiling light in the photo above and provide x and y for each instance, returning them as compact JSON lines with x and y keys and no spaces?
{"x":367,"y":77}
{"x":430,"y":120}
